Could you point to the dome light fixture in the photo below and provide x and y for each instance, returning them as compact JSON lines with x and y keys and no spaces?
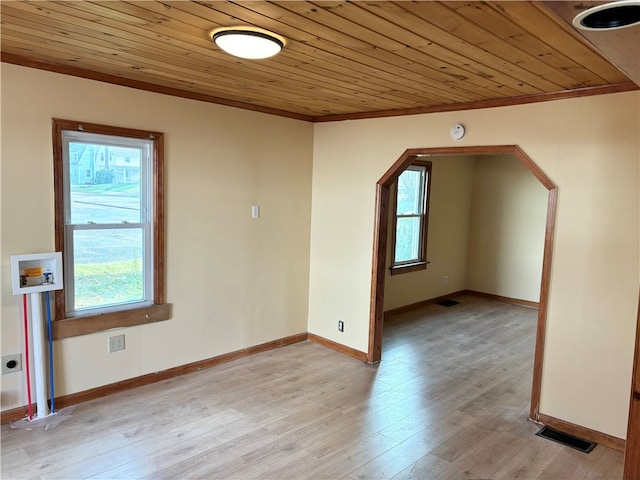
{"x":248,"y":42}
{"x":609,"y":16}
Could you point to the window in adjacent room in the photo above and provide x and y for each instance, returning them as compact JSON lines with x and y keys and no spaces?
{"x":109,"y":222}
{"x":411,"y":219}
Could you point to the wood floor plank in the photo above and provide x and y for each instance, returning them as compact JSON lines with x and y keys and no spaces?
{"x":449,"y":401}
{"x":607,"y":467}
{"x":428,"y":467}
{"x":531,"y":461}
{"x":486,"y":460}
{"x":343,"y":458}
{"x":396,"y":460}
{"x":573,"y":464}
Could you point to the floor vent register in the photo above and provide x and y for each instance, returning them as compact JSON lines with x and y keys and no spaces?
{"x":448,"y":303}
{"x":566,"y":439}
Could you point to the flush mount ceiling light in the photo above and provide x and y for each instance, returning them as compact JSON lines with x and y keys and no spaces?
{"x":248,"y":42}
{"x":609,"y":16}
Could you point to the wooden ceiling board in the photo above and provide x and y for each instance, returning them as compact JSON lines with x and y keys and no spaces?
{"x":563,"y":38}
{"x":356,"y":59}
{"x":315,"y":54}
{"x":370,"y":70}
{"x":615,"y":44}
{"x":144,"y":68}
{"x":459,"y":59}
{"x":276,"y":65}
{"x":406,"y":54}
{"x":288,"y":68}
{"x":359,"y":50}
{"x":467,"y":41}
{"x":157,"y":54}
{"x":164,"y":74}
{"x":536,"y":55}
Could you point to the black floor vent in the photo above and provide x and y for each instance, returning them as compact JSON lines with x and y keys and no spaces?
{"x":566,"y":439}
{"x":448,"y":303}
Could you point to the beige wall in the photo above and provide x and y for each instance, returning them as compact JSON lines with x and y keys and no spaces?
{"x":508,"y":219}
{"x":219,"y":161}
{"x":590,"y":148}
{"x":448,"y":236}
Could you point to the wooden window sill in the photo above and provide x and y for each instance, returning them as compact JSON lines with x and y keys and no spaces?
{"x":410,"y":267}
{"x":75,"y":326}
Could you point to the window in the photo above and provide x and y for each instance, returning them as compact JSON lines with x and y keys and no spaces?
{"x":109,"y":226}
{"x":411,"y":218}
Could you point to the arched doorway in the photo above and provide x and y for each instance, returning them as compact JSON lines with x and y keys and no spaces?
{"x":383,"y":185}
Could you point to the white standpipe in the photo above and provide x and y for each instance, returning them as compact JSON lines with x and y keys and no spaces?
{"x":39,"y":355}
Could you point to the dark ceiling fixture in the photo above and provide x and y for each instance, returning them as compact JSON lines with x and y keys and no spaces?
{"x":609,"y":16}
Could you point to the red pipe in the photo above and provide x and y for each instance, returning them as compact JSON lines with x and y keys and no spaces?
{"x":26,"y":355}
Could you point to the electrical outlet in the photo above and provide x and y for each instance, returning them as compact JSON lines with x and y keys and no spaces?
{"x":446,"y":279}
{"x":340,"y":326}
{"x":11,"y":363}
{"x":116,"y":343}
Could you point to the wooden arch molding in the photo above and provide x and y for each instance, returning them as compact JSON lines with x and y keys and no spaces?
{"x":376,"y":318}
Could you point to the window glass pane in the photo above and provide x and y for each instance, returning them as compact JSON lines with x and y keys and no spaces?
{"x":410,"y":192}
{"x":407,"y":239}
{"x":108,"y":267}
{"x":105,"y":183}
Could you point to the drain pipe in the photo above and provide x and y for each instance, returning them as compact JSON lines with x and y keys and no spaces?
{"x":26,"y":355}
{"x":38,"y":355}
{"x":51,"y":374}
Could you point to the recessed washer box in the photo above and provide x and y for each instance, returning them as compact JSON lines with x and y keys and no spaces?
{"x":36,"y":272}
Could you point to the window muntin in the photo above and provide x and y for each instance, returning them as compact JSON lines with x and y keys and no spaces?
{"x":108,"y":222}
{"x":410,"y":219}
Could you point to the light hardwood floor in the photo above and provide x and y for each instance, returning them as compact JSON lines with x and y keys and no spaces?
{"x":449,"y":401}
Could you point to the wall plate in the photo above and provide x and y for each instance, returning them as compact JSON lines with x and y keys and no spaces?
{"x":11,"y":363}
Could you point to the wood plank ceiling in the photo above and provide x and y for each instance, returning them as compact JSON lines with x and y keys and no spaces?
{"x":342,"y":59}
